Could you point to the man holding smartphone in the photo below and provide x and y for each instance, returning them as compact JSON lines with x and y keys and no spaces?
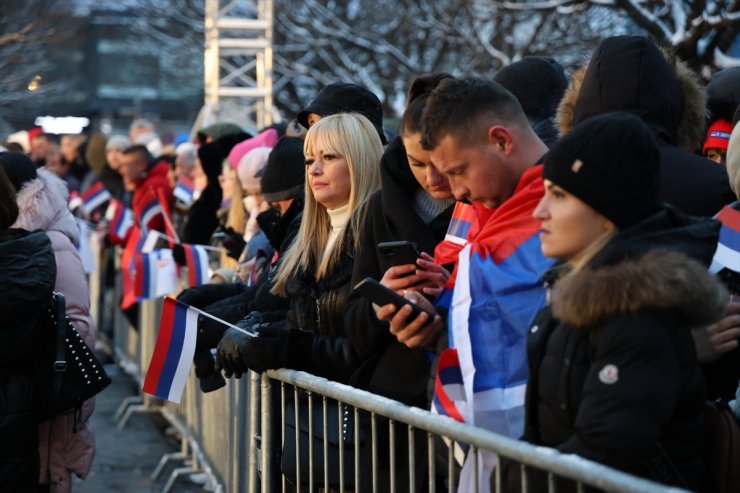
{"x":481,"y":140}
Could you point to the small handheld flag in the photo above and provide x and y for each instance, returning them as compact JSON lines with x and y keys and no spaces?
{"x":727,"y":255}
{"x":75,"y":200}
{"x":196,"y":260}
{"x":184,"y":190}
{"x":94,"y":197}
{"x":150,"y":210}
{"x":121,"y":219}
{"x":173,"y":353}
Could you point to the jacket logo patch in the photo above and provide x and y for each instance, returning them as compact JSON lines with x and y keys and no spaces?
{"x":609,"y":374}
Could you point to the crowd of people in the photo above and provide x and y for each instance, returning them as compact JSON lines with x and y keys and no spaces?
{"x":571,"y":267}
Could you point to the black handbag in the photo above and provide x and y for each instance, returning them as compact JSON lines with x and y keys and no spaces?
{"x":67,"y":371}
{"x":345,"y":440}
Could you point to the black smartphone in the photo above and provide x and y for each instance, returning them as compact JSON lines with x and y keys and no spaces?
{"x":381,"y":296}
{"x":400,"y":252}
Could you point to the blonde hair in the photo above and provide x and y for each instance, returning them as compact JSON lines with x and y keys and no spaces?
{"x":353,"y":137}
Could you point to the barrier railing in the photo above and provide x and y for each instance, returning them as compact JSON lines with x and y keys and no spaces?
{"x":232,"y":438}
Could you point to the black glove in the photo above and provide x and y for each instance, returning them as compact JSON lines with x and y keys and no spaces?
{"x":208,"y":378}
{"x":233,"y":242}
{"x":277,"y":347}
{"x":178,"y":254}
{"x":230,"y":352}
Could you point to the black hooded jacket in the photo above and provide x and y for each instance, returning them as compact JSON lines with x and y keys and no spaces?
{"x":202,"y":219}
{"x":613,"y":370}
{"x":398,"y":372}
{"x":629,"y":73}
{"x":27,"y":277}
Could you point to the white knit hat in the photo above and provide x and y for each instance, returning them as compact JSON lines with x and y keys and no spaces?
{"x":250,"y":168}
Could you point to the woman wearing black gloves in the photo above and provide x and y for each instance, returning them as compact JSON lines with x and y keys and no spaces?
{"x":613,"y":369}
{"x":342,"y":154}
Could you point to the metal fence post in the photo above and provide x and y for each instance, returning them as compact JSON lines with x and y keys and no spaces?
{"x":266,"y":434}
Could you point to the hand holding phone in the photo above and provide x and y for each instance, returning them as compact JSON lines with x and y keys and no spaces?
{"x":381,"y":296}
{"x":399,"y":252}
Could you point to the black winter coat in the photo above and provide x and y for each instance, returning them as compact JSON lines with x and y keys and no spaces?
{"x":613,"y":370}
{"x":317,"y":307}
{"x":392,"y":369}
{"x":27,"y":277}
{"x":629,"y":73}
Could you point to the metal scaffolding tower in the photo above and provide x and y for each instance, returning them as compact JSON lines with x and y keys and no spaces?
{"x":238,"y":63}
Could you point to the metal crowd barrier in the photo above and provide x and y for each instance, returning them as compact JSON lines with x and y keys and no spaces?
{"x":231,"y":438}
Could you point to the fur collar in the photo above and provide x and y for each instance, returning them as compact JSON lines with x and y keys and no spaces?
{"x":690,"y":132}
{"x":657,"y":279}
{"x":43,"y":205}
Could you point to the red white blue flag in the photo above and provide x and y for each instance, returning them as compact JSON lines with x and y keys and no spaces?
{"x":75,"y":200}
{"x":727,"y":255}
{"x":151,"y":209}
{"x":196,"y":260}
{"x":120,"y":218}
{"x":184,"y":190}
{"x":170,"y":364}
{"x":497,"y":292}
{"x":94,"y":197}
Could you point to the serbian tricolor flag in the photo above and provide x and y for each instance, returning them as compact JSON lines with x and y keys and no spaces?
{"x":150,"y":210}
{"x":120,"y":218}
{"x":146,"y":275}
{"x":75,"y":200}
{"x":497,"y":292}
{"x":184,"y":190}
{"x":173,"y":354}
{"x":94,"y":197}
{"x":462,"y":226}
{"x":727,"y":255}
{"x":449,"y":396}
{"x":196,"y":260}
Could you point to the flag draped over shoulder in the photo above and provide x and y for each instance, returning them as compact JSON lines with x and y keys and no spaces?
{"x":496,"y":293}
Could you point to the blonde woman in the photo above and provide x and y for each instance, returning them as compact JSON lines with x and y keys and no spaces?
{"x":342,"y":171}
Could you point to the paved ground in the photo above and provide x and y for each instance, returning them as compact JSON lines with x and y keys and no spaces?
{"x":125,"y":459}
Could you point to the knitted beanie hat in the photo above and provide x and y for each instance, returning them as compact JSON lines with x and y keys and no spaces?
{"x":538,"y":83}
{"x":610,"y":162}
{"x":718,"y":136}
{"x":267,"y":138}
{"x":210,"y":160}
{"x":19,"y":168}
{"x":346,"y":98}
{"x":733,"y":160}
{"x":250,"y":168}
{"x":284,"y":174}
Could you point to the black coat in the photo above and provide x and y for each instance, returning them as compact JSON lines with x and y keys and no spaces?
{"x":628,"y":73}
{"x":613,"y":370}
{"x":27,"y":277}
{"x":391,"y":369}
{"x":317,"y":308}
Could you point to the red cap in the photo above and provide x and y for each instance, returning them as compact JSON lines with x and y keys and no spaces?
{"x":718,"y":136}
{"x":33,"y":132}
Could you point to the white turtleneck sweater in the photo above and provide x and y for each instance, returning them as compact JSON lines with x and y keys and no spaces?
{"x":338,"y":218}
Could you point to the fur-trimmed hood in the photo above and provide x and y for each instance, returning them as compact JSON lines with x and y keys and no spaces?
{"x":658,"y":279}
{"x":43,"y":205}
{"x":630,"y":73}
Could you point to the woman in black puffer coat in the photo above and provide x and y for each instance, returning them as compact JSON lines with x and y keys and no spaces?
{"x":613,"y":371}
{"x":342,"y":154}
{"x":27,"y":276}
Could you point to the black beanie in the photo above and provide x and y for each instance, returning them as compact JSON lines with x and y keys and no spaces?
{"x":538,"y":83}
{"x":284,"y":175}
{"x":211,"y":160}
{"x":610,"y":162}
{"x":19,"y":168}
{"x":346,"y":98}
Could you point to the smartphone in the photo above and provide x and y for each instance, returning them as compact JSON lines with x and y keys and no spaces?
{"x":399,"y":252}
{"x":381,"y":296}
